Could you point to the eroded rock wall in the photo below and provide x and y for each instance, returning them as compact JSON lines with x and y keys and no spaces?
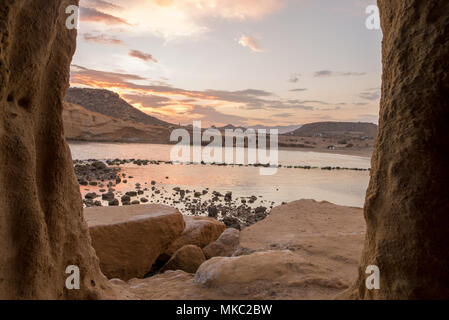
{"x":407,"y":203}
{"x":42,"y":229}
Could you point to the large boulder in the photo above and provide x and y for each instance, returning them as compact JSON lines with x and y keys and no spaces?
{"x":225,"y":246}
{"x":188,"y":259}
{"x":199,"y":231}
{"x":267,"y":268}
{"x":129,"y":239}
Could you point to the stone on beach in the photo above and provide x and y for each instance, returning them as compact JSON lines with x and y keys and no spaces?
{"x":129,"y":239}
{"x":225,"y":245}
{"x":188,"y":259}
{"x":199,"y":231}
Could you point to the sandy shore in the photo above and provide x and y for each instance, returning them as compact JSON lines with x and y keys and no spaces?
{"x":343,"y":151}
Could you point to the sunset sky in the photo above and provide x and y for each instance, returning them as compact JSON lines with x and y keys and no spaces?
{"x":245,"y":62}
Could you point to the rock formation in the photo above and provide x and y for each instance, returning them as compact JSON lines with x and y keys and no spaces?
{"x":129,"y":239}
{"x":225,"y":245}
{"x":407,"y":202}
{"x":42,"y":230}
{"x":188,"y":259}
{"x":199,"y":231}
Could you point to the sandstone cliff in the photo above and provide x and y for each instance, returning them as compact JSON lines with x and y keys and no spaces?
{"x":42,"y":234}
{"x":407,"y":202}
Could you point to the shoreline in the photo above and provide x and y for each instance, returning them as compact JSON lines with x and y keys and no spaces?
{"x":365,"y":153}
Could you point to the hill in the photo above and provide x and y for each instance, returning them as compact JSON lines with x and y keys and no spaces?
{"x":110,"y":104}
{"x":85,"y":125}
{"x":337,"y":129}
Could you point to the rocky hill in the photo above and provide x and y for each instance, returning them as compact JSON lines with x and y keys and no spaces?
{"x":110,"y":104}
{"x":334,"y":129}
{"x":85,"y":125}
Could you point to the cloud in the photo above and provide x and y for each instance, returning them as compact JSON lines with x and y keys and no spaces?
{"x":249,"y":99}
{"x":329,"y":73}
{"x":93,"y":15}
{"x":148,"y":101}
{"x":294,"y":78}
{"x":372,"y":94}
{"x":283,"y":115}
{"x":211,"y":115}
{"x":102,"y":39}
{"x":247,"y":41}
{"x":99,"y":79}
{"x":173,"y":19}
{"x":100,"y":4}
{"x":298,"y":90}
{"x":142,"y":56}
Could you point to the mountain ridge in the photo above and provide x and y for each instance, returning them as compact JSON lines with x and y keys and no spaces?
{"x":110,"y":104}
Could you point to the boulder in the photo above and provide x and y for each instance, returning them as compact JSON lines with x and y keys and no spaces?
{"x":225,"y":245}
{"x":129,"y":239}
{"x":199,"y":231}
{"x":270,"y":268}
{"x":188,"y":259}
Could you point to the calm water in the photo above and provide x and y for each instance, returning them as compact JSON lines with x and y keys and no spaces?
{"x":337,"y":186}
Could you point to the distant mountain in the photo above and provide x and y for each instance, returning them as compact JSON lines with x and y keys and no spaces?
{"x":110,"y":104}
{"x":229,"y":127}
{"x":332,"y":129}
{"x":282,"y":129}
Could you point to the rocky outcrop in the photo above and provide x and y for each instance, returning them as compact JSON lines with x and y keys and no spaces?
{"x":110,"y":104}
{"x":188,"y":259}
{"x":85,"y":125}
{"x":407,"y":204}
{"x":42,"y":233}
{"x":225,"y":245}
{"x":129,"y":239}
{"x":199,"y":231}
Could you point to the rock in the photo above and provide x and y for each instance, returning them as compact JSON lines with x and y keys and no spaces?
{"x":212,"y":211}
{"x":273,"y":268}
{"x":135,"y":202}
{"x":114,"y":202}
{"x":92,"y":195}
{"x":129,"y":240}
{"x":188,"y":259}
{"x":131,"y":193}
{"x":126,"y":198}
{"x":199,"y":231}
{"x":143,"y":200}
{"x":232,"y":222}
{"x":406,"y":203}
{"x":225,"y":245}
{"x":99,"y":165}
{"x":260,"y":210}
{"x":108,"y":196}
{"x":42,"y":232}
{"x":228,"y":197}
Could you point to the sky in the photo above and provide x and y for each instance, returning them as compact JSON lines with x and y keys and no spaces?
{"x":240,"y":62}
